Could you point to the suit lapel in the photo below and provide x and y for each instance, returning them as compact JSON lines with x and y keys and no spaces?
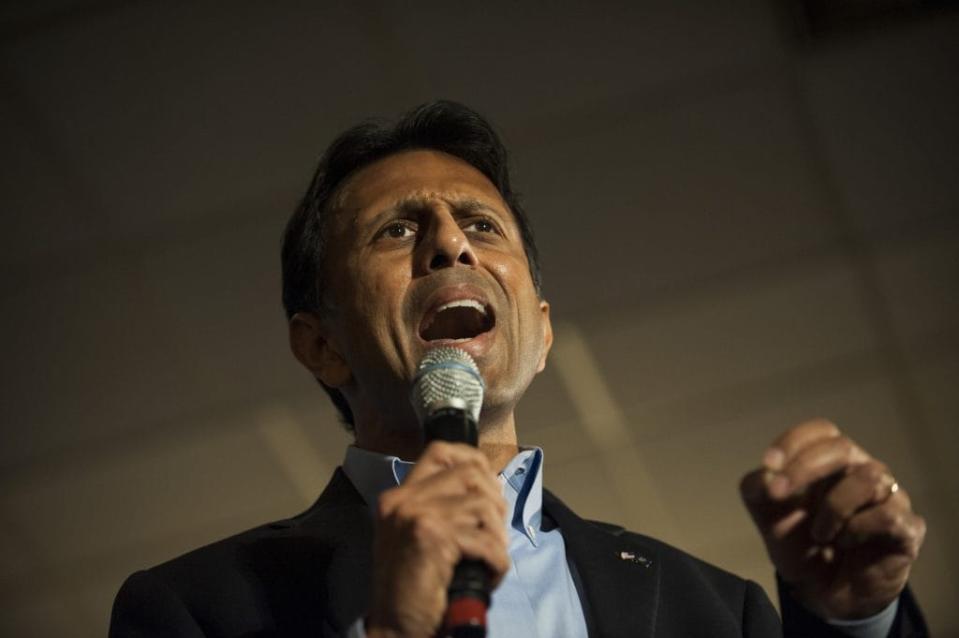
{"x":316,"y":567}
{"x":345,"y":518}
{"x":619,"y":576}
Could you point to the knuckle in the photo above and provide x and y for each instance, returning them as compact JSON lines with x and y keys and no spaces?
{"x":388,"y":501}
{"x":405,"y":512}
{"x":913,"y":550}
{"x":493,"y":509}
{"x":873,"y":471}
{"x":450,"y":554}
{"x":824,"y":425}
{"x":424,"y":530}
{"x":915,"y":536}
{"x":902,"y":496}
{"x":786,"y":439}
{"x":889,"y":519}
{"x":402,"y":512}
{"x":480,"y":458}
{"x":470,"y":474}
{"x":921,"y":528}
{"x":439,"y":449}
{"x":798,"y":474}
{"x":845,"y":446}
{"x":910,"y":533}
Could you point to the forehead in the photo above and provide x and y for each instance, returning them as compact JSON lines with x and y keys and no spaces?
{"x":425,"y":174}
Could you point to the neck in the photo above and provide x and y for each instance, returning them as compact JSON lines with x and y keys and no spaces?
{"x":497,"y":440}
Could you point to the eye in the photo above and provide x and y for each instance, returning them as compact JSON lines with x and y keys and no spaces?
{"x":481,"y":226}
{"x":397,"y":230}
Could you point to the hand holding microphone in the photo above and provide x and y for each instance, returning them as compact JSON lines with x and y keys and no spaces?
{"x":449,"y":511}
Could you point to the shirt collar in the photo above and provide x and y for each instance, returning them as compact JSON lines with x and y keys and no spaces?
{"x":523,"y":489}
{"x":372,"y":473}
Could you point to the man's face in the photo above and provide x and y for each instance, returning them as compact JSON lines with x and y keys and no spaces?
{"x":424,"y":252}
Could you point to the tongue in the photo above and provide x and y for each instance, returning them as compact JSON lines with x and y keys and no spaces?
{"x":455,"y":323}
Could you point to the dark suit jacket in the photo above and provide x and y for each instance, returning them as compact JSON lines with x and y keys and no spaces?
{"x":310,"y":576}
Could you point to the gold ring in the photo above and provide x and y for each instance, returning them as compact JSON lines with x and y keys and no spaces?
{"x":893,"y":486}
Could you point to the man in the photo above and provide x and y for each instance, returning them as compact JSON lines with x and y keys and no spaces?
{"x":409,"y":238}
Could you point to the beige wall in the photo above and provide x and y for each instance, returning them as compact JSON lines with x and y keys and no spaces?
{"x":741,"y":228}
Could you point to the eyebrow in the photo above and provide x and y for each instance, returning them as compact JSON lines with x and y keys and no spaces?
{"x":470,"y":205}
{"x":413,"y":203}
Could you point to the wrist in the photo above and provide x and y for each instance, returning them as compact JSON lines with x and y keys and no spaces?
{"x":835,"y":607}
{"x":391,"y":625}
{"x":374,"y":630}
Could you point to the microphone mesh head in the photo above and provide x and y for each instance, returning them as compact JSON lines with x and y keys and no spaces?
{"x":447,"y":377}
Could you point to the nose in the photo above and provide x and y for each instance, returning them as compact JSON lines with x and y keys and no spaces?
{"x":446,"y":245}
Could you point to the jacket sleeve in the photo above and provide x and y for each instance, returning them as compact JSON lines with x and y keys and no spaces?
{"x":146,"y":608}
{"x":760,"y":619}
{"x":798,"y":622}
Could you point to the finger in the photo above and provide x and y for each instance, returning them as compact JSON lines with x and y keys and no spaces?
{"x":818,"y":460}
{"x":471,"y":512}
{"x":790,"y":442}
{"x":866,"y":484}
{"x":481,"y":544}
{"x":441,"y":455}
{"x":446,"y":503}
{"x":891,"y":524}
{"x":440,"y":523}
{"x":752,"y":487}
{"x":775,"y":520}
{"x":486,"y":543}
{"x":459,"y":480}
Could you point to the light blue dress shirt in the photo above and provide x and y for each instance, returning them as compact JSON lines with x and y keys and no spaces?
{"x":538,"y":597}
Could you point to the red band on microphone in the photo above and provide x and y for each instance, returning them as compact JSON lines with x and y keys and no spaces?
{"x":466,"y":611}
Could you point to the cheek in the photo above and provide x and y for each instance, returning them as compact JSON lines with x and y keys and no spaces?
{"x":513,"y":274}
{"x":503,"y":271}
{"x":515,"y":277}
{"x":378,"y":292}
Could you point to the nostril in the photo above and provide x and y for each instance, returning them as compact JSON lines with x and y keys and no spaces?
{"x":439,"y":261}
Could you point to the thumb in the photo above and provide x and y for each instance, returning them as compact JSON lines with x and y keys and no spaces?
{"x":754,"y":490}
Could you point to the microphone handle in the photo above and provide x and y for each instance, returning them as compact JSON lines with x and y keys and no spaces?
{"x":469,"y":591}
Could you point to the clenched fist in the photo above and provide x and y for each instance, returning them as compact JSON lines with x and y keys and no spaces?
{"x":449,"y":507}
{"x":837,"y":526}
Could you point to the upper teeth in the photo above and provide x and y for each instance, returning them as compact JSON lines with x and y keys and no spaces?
{"x":463,"y":303}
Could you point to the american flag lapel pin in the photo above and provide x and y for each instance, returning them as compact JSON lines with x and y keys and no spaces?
{"x":633,"y":558}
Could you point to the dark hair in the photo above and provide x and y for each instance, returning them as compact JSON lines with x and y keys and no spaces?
{"x":441,"y":125}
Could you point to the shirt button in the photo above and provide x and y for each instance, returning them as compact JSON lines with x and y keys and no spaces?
{"x":521,"y":471}
{"x":532,"y":532}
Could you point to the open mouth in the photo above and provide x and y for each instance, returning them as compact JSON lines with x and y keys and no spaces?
{"x":459,"y":320}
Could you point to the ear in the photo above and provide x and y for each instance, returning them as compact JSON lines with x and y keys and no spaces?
{"x":311,"y":348}
{"x":547,"y":335}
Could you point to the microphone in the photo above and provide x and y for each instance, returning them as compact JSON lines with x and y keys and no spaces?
{"x":447,"y":396}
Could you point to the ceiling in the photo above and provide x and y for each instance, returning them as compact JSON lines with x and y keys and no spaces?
{"x":742,"y":227}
